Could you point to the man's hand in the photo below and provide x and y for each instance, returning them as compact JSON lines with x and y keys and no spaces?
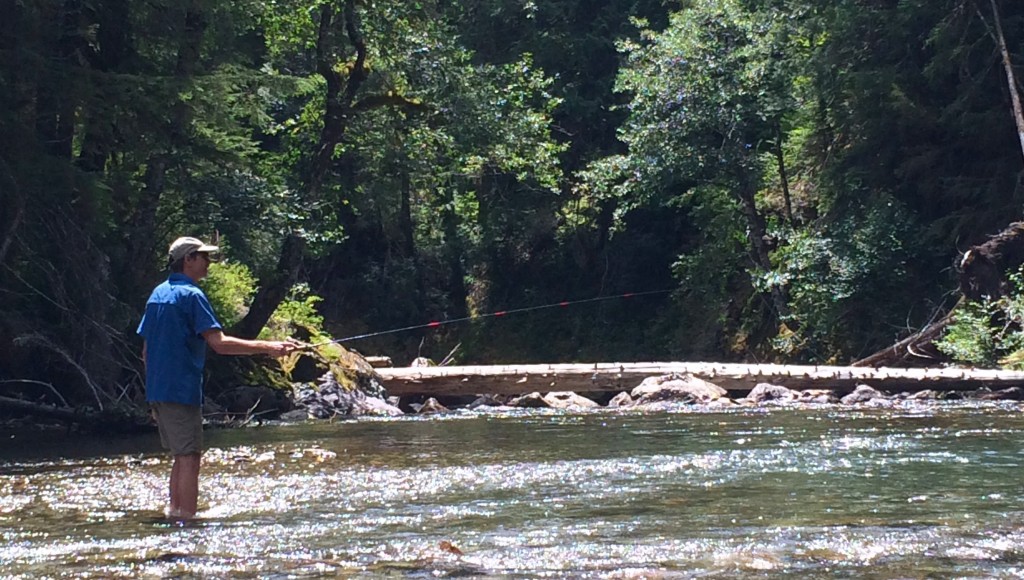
{"x":282,"y":347}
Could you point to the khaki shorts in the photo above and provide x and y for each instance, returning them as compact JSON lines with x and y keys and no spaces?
{"x":180,"y":426}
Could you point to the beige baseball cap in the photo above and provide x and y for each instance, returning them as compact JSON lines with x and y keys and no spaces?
{"x":184,"y":246}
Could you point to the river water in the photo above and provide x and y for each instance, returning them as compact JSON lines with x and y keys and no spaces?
{"x":929,"y":491}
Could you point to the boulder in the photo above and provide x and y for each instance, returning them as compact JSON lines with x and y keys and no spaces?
{"x":764,"y":392}
{"x":862,"y":394}
{"x":328,"y":398}
{"x":621,"y":400}
{"x":682,"y":388}
{"x":529,"y":401}
{"x":431,"y":406}
{"x":568,"y":400}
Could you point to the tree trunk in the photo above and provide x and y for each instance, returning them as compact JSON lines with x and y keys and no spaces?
{"x":14,"y":203}
{"x":984,"y":269}
{"x":915,"y":350}
{"x":341,"y":93}
{"x":458,"y":295}
{"x":757,"y":233}
{"x":405,"y":224}
{"x":56,"y":107}
{"x":783,"y":176}
{"x":1011,"y":81}
{"x":143,"y":233}
{"x":274,"y":288}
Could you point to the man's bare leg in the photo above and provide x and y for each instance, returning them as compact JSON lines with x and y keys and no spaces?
{"x":184,"y":486}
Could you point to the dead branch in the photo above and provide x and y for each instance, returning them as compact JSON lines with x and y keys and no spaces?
{"x":40,"y":383}
{"x":40,"y":340}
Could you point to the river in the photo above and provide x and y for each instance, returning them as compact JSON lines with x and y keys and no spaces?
{"x":932,"y":490}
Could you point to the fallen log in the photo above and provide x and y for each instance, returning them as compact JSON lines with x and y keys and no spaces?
{"x":591,"y":377}
{"x":915,"y":349}
{"x":65,"y":414}
{"x":121,"y":420}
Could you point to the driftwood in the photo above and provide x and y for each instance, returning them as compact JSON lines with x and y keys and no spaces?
{"x":590,"y":377}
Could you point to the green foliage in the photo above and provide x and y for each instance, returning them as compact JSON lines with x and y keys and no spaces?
{"x":230,"y":287}
{"x":707,"y":97}
{"x":712,"y":281}
{"x":497,"y":154}
{"x":970,"y":339}
{"x":989,"y":333}
{"x":844,"y":278}
{"x":297,"y":316}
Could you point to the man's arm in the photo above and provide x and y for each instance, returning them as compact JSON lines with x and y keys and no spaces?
{"x":224,"y":344}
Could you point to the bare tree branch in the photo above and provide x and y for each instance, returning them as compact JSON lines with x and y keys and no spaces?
{"x":41,"y":340}
{"x":41,"y":383}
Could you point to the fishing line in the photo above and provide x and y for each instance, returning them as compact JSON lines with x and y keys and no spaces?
{"x":496,"y":314}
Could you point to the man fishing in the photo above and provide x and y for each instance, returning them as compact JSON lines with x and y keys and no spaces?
{"x":176,"y":327}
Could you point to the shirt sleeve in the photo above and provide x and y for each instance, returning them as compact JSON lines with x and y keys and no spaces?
{"x":203,"y":318}
{"x":141,"y":330}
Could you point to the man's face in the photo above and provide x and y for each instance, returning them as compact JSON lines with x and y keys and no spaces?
{"x":197,"y":265}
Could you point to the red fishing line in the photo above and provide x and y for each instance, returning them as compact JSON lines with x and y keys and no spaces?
{"x":437,"y":323}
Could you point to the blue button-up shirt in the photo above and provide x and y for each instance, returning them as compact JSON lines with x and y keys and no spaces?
{"x":177,"y":314}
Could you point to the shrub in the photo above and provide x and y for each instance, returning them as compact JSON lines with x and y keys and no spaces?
{"x":230,"y":288}
{"x":988,"y":333}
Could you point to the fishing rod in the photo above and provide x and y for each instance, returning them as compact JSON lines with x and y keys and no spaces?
{"x":496,"y":314}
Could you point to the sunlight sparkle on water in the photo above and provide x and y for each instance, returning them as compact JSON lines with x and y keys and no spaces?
{"x":789,"y":493}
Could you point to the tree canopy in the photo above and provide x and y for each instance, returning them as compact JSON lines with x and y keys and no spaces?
{"x":797,"y":176}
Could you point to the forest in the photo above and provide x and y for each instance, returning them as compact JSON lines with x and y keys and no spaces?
{"x":775,"y":180}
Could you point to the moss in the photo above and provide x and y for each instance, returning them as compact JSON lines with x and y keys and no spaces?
{"x":349,"y":368}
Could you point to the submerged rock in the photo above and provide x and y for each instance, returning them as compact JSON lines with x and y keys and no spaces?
{"x":1007,"y":394}
{"x":818,"y":396}
{"x":925,"y":395}
{"x":430,"y":406}
{"x":488,"y":401}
